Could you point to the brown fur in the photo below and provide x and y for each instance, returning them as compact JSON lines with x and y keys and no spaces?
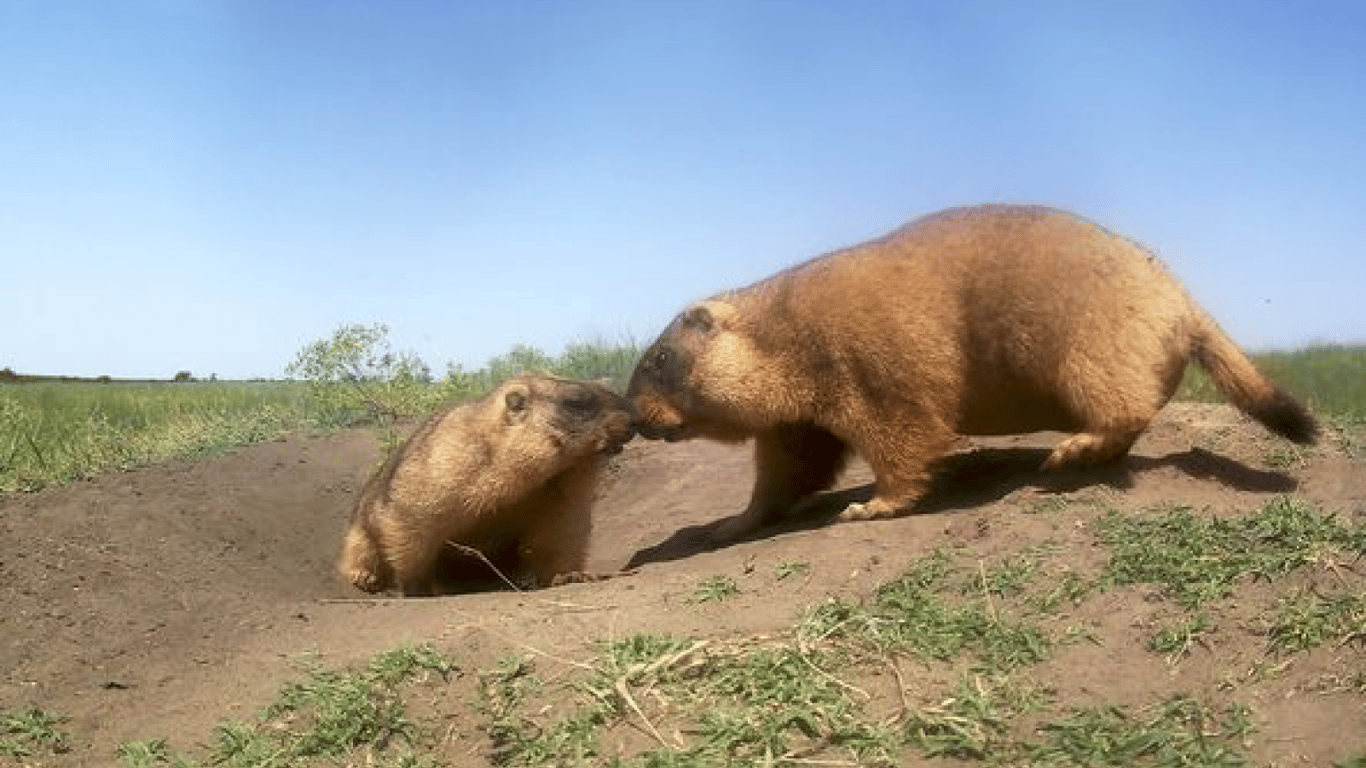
{"x":511,"y":475}
{"x":979,"y":321}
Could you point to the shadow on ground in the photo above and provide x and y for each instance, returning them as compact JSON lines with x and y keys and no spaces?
{"x":975,"y":478}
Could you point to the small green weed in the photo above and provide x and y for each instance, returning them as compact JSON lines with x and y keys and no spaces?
{"x":28,"y":733}
{"x":1009,"y":577}
{"x":1177,"y":732}
{"x":1307,"y":620}
{"x":786,"y":570}
{"x":154,"y":752}
{"x":714,"y":589}
{"x":1176,"y":640}
{"x":973,"y":724}
{"x":1069,"y":587}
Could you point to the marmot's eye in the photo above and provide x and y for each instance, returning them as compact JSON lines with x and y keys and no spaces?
{"x":581,"y":405}
{"x":662,"y":357}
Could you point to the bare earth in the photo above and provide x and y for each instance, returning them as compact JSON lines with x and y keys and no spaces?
{"x":159,"y":602}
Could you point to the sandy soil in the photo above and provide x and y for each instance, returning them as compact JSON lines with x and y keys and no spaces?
{"x":158,"y":602}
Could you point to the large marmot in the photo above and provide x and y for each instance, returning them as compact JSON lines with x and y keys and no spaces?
{"x":986,"y":320}
{"x":511,"y":475}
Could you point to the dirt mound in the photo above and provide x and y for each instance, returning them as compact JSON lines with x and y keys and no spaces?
{"x":153,"y":603}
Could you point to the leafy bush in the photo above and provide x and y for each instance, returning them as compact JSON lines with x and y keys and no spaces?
{"x":355,"y":376}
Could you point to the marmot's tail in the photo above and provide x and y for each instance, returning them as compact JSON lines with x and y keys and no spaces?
{"x":360,"y":562}
{"x":1240,"y":381}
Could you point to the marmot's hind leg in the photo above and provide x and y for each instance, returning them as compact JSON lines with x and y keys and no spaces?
{"x":1112,"y":412}
{"x":1092,"y":448}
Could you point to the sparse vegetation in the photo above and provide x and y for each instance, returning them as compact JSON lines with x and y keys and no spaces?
{"x":330,"y":715}
{"x":31,"y":734}
{"x":714,"y":589}
{"x":1198,"y":558}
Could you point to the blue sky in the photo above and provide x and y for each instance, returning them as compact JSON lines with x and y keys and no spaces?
{"x":208,"y":186}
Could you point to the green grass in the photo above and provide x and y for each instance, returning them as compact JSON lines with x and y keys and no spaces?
{"x":54,"y":432}
{"x":1196,"y":558}
{"x":1178,"y":732}
{"x":913,"y":614}
{"x":1306,"y":620}
{"x":714,"y":589}
{"x":330,"y":716}
{"x":31,"y":733}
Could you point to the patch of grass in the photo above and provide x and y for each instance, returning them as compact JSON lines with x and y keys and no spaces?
{"x":1009,"y":577}
{"x":30,"y":733}
{"x":972,"y":724}
{"x":154,"y":752}
{"x":1178,"y":732}
{"x":786,"y":570}
{"x":502,"y":691}
{"x":54,"y":432}
{"x":714,"y":589}
{"x":1306,"y":620}
{"x":742,"y":702}
{"x":1068,"y":587}
{"x":776,"y":701}
{"x":1175,"y":640}
{"x":1351,"y":434}
{"x":330,"y":715}
{"x":910,"y":615}
{"x":1198,"y":558}
{"x":1049,"y":505}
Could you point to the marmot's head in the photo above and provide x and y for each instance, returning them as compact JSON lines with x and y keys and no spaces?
{"x":704,"y":377}
{"x":572,"y":419}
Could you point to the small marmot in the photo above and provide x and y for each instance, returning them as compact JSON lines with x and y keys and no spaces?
{"x":511,"y":475}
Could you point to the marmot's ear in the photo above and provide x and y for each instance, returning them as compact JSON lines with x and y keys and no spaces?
{"x":699,"y":318}
{"x":515,"y":404}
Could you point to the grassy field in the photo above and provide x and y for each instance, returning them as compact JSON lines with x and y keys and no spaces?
{"x":56,"y":431}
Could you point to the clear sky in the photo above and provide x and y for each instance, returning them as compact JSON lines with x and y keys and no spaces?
{"x":208,"y":186}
